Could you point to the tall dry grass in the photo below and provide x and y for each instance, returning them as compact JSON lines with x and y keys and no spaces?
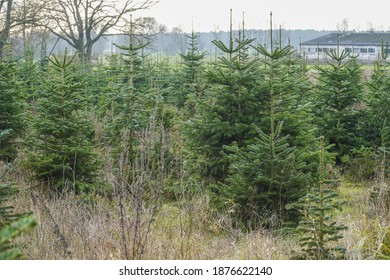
{"x":71,"y":228}
{"x":137,"y":221}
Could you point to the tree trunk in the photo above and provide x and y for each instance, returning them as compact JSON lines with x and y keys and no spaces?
{"x":4,"y":34}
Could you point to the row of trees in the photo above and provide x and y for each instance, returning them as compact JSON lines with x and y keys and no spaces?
{"x":81,"y":23}
{"x":252,"y":130}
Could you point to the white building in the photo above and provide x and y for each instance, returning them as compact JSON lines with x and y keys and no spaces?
{"x":367,"y":46}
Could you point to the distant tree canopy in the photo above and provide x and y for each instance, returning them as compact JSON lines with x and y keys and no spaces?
{"x":81,"y":23}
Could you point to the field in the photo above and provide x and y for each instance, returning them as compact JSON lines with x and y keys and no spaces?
{"x":245,"y":157}
{"x":70,"y":229}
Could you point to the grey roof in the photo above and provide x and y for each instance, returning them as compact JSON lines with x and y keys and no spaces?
{"x":351,"y":38}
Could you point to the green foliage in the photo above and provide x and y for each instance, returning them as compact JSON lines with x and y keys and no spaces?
{"x":6,"y":212}
{"x":11,"y":224}
{"x":28,"y":76}
{"x":361,"y":164}
{"x":338,"y":102}
{"x":132,"y":96}
{"x":10,"y":232}
{"x":264,"y":177}
{"x":10,"y":111}
{"x":193,"y":67}
{"x":62,"y":147}
{"x":226,"y":113}
{"x":379,"y":102}
{"x":273,"y":170}
{"x":318,"y":232}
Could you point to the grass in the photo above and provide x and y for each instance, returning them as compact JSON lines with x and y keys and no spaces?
{"x":366,"y":222}
{"x":74,"y":227}
{"x":69,"y":229}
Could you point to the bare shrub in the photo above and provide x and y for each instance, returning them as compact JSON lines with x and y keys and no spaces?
{"x":138,"y":186}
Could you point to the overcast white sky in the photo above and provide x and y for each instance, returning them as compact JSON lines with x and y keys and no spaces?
{"x":211,"y":15}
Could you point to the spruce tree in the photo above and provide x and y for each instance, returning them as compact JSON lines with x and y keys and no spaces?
{"x":274,"y":168}
{"x":8,"y":251}
{"x":226,"y":113}
{"x":28,"y":76}
{"x":379,"y":102}
{"x":6,"y":212}
{"x":61,"y":145}
{"x":11,"y":224}
{"x":132,"y":98}
{"x":10,"y":110}
{"x":192,"y":71}
{"x":338,"y":100}
{"x":318,"y":232}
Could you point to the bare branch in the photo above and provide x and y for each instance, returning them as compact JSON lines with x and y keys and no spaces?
{"x":84,"y":22}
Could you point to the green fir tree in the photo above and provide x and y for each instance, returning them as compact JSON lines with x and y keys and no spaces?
{"x":226,"y":113}
{"x":272,"y":171}
{"x":133,"y":96}
{"x":8,"y":251}
{"x":379,"y":102}
{"x":61,"y":145}
{"x":11,"y":224}
{"x":10,"y":111}
{"x":193,"y":67}
{"x":318,"y":231}
{"x":339,"y":101}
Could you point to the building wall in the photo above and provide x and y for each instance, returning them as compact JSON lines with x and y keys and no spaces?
{"x":366,"y":54}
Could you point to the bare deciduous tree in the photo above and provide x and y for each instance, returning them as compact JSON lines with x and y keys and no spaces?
{"x":82,"y":22}
{"x":16,"y":13}
{"x":5,"y":21}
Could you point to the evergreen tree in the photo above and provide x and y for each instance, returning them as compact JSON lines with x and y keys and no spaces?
{"x":379,"y":102}
{"x":339,"y":95}
{"x":192,"y":72}
{"x":226,"y":113}
{"x":10,"y":110}
{"x":167,"y":79}
{"x":273,"y":170}
{"x":264,"y":178}
{"x":62,"y":150}
{"x":105,"y":86}
{"x":28,"y":76}
{"x":6,"y":212}
{"x":8,"y":251}
{"x":133,"y":96}
{"x":318,"y":232}
{"x":11,"y":224}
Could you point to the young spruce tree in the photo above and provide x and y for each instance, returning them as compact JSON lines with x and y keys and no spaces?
{"x":62,"y":147}
{"x":10,"y":111}
{"x":226,"y":113}
{"x":318,"y":232}
{"x":193,"y":68}
{"x":339,"y":94}
{"x":379,"y":102}
{"x":11,"y":224}
{"x":132,"y":97}
{"x":274,"y":168}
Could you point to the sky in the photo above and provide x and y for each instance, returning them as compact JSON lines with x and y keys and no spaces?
{"x":213,"y":15}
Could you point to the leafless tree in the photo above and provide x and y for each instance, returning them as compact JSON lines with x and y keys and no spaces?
{"x":16,"y":13}
{"x":81,"y":23}
{"x":343,"y":26}
{"x":5,"y":21}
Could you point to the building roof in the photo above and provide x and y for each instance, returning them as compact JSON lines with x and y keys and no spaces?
{"x":351,"y":38}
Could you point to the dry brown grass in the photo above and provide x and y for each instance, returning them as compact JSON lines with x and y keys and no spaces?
{"x":366,"y":220}
{"x":76,"y":227}
{"x":70,"y":228}
{"x":125,"y":226}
